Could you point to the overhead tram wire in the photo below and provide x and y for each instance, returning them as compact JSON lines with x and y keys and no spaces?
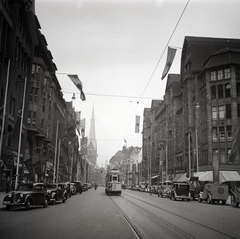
{"x":141,"y":97}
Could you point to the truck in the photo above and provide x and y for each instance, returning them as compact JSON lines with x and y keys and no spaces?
{"x":214,"y":192}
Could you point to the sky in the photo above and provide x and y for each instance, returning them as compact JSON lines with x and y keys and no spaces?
{"x":118,"y":49}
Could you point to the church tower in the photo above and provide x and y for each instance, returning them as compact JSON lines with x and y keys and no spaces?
{"x":92,"y":142}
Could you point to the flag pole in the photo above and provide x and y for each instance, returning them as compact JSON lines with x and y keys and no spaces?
{"x":55,"y":156}
{"x":20,"y":133}
{"x":4,"y":109}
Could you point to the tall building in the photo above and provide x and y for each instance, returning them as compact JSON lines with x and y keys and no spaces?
{"x":92,"y":142}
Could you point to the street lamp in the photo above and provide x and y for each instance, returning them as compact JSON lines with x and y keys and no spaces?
{"x":197,"y":166}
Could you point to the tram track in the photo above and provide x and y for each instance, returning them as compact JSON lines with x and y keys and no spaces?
{"x":184,"y":234}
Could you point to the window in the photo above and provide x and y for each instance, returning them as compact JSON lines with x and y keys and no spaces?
{"x":35,"y":95}
{"x":214,"y":113}
{"x":228,"y":154}
{"x":214,"y":134}
{"x":12,"y":106}
{"x":238,"y":89}
{"x":227,"y":74}
{"x":220,"y":91}
{"x":229,"y":133}
{"x":43,"y":106}
{"x":223,"y":159}
{"x":228,"y":111}
{"x":227,"y":90}
{"x":222,"y":134}
{"x":220,"y":75}
{"x":221,"y":111}
{"x":213,"y":76}
{"x":31,"y":95}
{"x":213,"y":92}
{"x":29,"y":117}
{"x":34,"y":118}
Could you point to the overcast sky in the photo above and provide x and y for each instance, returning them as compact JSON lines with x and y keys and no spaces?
{"x":116,"y":47}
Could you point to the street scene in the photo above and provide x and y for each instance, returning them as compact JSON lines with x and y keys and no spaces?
{"x":134,"y":214}
{"x":119,"y":119}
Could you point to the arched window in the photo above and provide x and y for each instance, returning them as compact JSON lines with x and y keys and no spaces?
{"x":220,"y":91}
{"x":213,"y":92}
{"x":227,"y":90}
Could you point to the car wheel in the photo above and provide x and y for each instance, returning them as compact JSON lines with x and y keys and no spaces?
{"x":64,"y":198}
{"x":8,"y":208}
{"x":27,"y":204}
{"x":199,"y":199}
{"x":45,"y":203}
{"x":54,"y":201}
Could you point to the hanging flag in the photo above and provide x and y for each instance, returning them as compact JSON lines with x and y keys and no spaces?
{"x":79,"y":85}
{"x":170,"y":58}
{"x":235,"y":147}
{"x":137,"y":123}
{"x":82,"y":126}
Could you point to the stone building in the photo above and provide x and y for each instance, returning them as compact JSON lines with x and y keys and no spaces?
{"x":197,"y":120}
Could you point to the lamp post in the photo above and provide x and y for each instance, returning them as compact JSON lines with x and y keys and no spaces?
{"x":196,"y":134}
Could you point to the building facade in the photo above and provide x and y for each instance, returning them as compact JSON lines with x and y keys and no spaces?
{"x":197,"y":121}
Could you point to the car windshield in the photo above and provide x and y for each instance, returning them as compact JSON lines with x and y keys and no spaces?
{"x":25,"y":188}
{"x":49,"y":186}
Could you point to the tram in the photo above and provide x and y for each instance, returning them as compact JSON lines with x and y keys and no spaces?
{"x":113,"y":183}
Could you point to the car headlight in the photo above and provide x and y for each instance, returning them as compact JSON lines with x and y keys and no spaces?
{"x":21,"y":195}
{"x":9,"y":195}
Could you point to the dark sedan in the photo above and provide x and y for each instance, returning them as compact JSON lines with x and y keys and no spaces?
{"x":57,"y":192}
{"x":27,"y":194}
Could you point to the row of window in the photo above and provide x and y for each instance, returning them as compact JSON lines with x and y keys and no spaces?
{"x":217,"y":92}
{"x":220,"y":74}
{"x":221,"y":134}
{"x":221,"y":112}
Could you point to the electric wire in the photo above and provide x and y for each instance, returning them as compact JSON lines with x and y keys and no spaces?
{"x":158,"y":63}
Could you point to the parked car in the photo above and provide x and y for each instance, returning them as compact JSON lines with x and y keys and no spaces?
{"x":214,"y":192}
{"x":165,"y":189}
{"x":79,"y":186}
{"x":57,"y":192}
{"x":180,"y":191}
{"x":85,"y":187}
{"x":27,"y":194}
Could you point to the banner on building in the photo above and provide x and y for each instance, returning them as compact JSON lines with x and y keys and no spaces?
{"x":170,"y":57}
{"x":82,"y":126}
{"x":137,"y":124}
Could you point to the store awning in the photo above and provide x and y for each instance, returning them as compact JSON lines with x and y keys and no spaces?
{"x":229,"y":176}
{"x":206,"y":176}
{"x":183,"y":178}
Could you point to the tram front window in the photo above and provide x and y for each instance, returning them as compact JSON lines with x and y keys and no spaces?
{"x":115,"y":178}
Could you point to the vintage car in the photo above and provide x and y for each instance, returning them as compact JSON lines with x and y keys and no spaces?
{"x":165,"y":189}
{"x":56,"y":192}
{"x":214,"y":192}
{"x":180,"y":191}
{"x":27,"y":194}
{"x":79,"y":186}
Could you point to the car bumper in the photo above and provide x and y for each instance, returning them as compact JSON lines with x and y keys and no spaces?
{"x":8,"y":203}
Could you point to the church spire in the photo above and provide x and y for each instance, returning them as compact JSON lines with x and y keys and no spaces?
{"x":92,"y":142}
